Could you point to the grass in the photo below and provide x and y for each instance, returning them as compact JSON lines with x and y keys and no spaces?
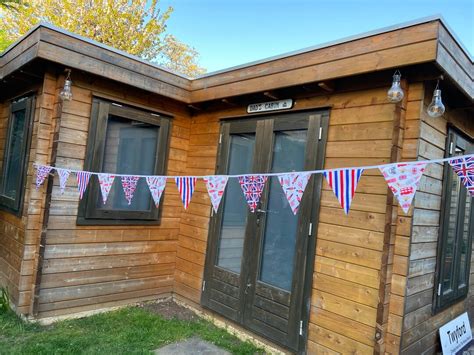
{"x":130,"y":330}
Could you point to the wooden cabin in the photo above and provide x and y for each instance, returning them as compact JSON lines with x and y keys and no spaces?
{"x":374,"y":281}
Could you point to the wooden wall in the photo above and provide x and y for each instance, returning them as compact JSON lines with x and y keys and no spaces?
{"x":427,"y":141}
{"x":349,"y":250}
{"x":19,"y":235}
{"x":91,"y":267}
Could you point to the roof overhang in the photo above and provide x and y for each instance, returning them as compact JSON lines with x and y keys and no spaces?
{"x":428,"y":40}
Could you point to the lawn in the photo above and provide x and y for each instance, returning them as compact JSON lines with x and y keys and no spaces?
{"x":130,"y":330}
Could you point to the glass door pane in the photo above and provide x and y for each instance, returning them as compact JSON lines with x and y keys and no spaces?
{"x":234,"y":218}
{"x":279,"y":240}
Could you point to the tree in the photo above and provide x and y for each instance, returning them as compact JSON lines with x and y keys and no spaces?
{"x":137,"y":27}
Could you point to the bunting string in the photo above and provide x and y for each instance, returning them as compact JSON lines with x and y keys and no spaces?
{"x":401,"y":177}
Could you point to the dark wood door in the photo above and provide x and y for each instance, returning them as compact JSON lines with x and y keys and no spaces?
{"x":256,"y":262}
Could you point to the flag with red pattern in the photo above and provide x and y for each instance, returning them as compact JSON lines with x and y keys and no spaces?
{"x":63,"y":176}
{"x":464,"y":168}
{"x":252,"y":186}
{"x":156,"y":184}
{"x":293,"y":185}
{"x":41,"y":173}
{"x":343,"y":183}
{"x":215,"y":187}
{"x":105,"y":181}
{"x":129,"y":185}
{"x":186,"y":186}
{"x":403,"y":180}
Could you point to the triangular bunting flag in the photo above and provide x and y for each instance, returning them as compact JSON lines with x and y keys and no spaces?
{"x":343,"y":183}
{"x":82,"y":181}
{"x":293,"y":185}
{"x":41,"y":173}
{"x":156,"y":184}
{"x":252,"y":186}
{"x":186,"y":188}
{"x":129,"y":184}
{"x":215,"y":187}
{"x":464,"y":168}
{"x":106,"y":181}
{"x":403,"y":180}
{"x":63,"y":176}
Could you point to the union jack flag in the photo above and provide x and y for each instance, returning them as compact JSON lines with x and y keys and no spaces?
{"x":343,"y":183}
{"x":186,"y":186}
{"x":464,"y":168}
{"x":252,"y":186}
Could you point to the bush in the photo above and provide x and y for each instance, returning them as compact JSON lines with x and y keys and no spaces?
{"x":4,"y":301}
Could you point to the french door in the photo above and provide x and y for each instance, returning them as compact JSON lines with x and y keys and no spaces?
{"x":257,"y":263}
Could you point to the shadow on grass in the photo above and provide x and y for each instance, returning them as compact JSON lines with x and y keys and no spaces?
{"x":130,"y":330}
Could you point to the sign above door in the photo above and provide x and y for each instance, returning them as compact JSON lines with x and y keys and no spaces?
{"x":270,"y":106}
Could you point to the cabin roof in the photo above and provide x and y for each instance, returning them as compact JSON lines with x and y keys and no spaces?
{"x":426,"y":40}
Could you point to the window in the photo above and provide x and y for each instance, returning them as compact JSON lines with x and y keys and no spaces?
{"x":123,"y":140}
{"x":15,"y":154}
{"x":456,"y":229}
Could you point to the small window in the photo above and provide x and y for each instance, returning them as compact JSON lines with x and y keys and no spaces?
{"x":123,"y":140}
{"x":456,"y":229}
{"x":15,"y":154}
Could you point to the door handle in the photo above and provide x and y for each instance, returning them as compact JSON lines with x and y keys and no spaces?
{"x":247,"y":288}
{"x":261,"y":211}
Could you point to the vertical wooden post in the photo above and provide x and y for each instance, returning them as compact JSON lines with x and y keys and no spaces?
{"x":390,"y":225}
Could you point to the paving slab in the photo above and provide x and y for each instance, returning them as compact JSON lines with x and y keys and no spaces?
{"x":192,"y":345}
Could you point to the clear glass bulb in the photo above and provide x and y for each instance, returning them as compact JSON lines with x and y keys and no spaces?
{"x":66,"y":93}
{"x":436,"y":107}
{"x":395,"y":93}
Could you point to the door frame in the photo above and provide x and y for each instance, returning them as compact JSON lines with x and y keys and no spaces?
{"x":316,"y":186}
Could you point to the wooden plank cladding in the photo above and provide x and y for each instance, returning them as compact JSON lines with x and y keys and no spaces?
{"x":90,"y":267}
{"x":420,"y":325}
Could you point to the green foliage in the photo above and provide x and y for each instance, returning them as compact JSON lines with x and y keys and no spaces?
{"x":137,"y":27}
{"x":4,"y":301}
{"x":128,"y":331}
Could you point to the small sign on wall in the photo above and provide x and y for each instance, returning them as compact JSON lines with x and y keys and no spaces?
{"x":270,"y":106}
{"x":455,"y":335}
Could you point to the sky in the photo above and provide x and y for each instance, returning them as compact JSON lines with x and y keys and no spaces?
{"x":227,"y":33}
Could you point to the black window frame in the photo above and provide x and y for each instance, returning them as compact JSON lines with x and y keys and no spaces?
{"x":26,"y":103}
{"x":88,"y":214}
{"x":443,"y":299}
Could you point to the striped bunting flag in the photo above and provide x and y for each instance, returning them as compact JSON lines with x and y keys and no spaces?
{"x":343,"y":183}
{"x":186,"y":188}
{"x":82,"y":181}
{"x":464,"y":168}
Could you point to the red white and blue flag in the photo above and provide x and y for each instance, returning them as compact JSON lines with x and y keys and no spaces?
{"x":252,"y":187}
{"x":82,"y":181}
{"x":464,"y":168}
{"x":63,"y":176}
{"x":343,"y":183}
{"x":186,"y":186}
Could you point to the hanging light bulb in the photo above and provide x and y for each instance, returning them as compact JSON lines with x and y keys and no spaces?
{"x":66,"y":93}
{"x":395,"y":93}
{"x":436,"y":107}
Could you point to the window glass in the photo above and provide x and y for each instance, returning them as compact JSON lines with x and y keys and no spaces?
{"x":15,"y":154}
{"x":14,"y":159}
{"x":130,"y":148}
{"x":234,"y":219}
